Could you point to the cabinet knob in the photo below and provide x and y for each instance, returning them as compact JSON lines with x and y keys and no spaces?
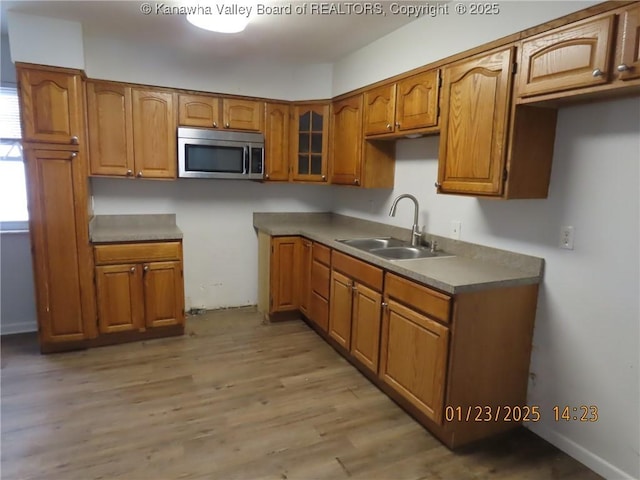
{"x":324,"y":178}
{"x":398,"y":124}
{"x":73,"y":155}
{"x":139,"y":175}
{"x":227,"y":125}
{"x":133,"y":270}
{"x":75,"y":140}
{"x":623,"y":68}
{"x":597,"y":73}
{"x":356,"y":181}
{"x":384,"y":304}
{"x":215,"y":124}
{"x":354,"y":287}
{"x":266,"y":176}
{"x":129,"y":172}
{"x":389,"y":126}
{"x":146,"y":268}
{"x":437,"y":185}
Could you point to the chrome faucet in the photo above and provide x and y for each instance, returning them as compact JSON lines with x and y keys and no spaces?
{"x":415,"y":230}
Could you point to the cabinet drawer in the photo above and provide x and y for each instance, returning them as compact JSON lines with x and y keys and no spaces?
{"x":321,"y":253}
{"x":424,"y":299}
{"x":320,"y":275}
{"x":358,"y":270}
{"x":137,"y":252}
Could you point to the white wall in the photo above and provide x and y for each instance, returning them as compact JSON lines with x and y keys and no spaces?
{"x":220,"y":243}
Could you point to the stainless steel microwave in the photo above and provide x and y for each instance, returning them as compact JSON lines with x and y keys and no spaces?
{"x":209,"y":153}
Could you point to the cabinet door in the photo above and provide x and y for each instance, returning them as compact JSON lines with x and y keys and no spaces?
{"x":473,"y":136}
{"x":417,"y":101}
{"x":628,"y":61}
{"x":309,"y":142}
{"x":62,"y":261}
{"x":365,"y":337}
{"x":319,"y":313}
{"x":284,"y":268}
{"x":51,"y":107}
{"x":110,"y":129}
{"x":379,"y":110}
{"x":198,"y":111}
{"x":570,"y":57}
{"x":120,"y":298}
{"x":242,"y":114}
{"x":413,"y":358}
{"x":340,"y":305}
{"x":306,"y":260}
{"x":163,"y":294}
{"x":346,"y":145}
{"x":276,"y":142}
{"x":154,"y":134}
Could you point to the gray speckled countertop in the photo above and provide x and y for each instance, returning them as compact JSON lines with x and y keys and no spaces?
{"x":472,"y":267}
{"x":133,"y":228}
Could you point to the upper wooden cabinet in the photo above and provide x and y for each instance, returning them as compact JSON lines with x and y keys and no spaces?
{"x":276,"y":142}
{"x":570,"y":57}
{"x":355,"y":161}
{"x":198,"y":111}
{"x":309,"y":142}
{"x":52,"y":106}
{"x":405,"y":107}
{"x":627,"y":64}
{"x":212,"y":112}
{"x":475,"y":114}
{"x":132,"y":131}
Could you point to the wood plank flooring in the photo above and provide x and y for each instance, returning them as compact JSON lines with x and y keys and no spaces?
{"x":232,"y":399}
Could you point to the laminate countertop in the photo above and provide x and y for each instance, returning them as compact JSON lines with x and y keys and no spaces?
{"x":471,"y":268}
{"x":133,"y":228}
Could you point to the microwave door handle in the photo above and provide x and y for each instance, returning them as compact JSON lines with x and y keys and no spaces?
{"x":245,"y":159}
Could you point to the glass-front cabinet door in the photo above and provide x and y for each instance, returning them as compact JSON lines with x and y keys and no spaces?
{"x":310,"y":137}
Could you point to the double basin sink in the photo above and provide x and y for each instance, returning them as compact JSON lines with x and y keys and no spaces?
{"x":392,"y":248}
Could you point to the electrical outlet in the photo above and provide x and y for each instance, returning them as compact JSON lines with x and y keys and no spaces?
{"x":566,"y":237}
{"x":454,"y":232}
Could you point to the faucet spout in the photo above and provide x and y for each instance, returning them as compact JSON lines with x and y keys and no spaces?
{"x":415,"y":229}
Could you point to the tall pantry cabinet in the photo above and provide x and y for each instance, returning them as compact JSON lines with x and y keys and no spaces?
{"x":55,"y":153}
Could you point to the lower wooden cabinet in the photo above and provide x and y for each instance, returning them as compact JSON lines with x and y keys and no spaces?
{"x":284,"y":270}
{"x":139,"y":286}
{"x":320,"y":286}
{"x":365,"y":326}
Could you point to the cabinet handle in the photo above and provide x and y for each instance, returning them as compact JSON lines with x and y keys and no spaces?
{"x":146,"y":268}
{"x":129,"y":173}
{"x":215,"y":124}
{"x":389,"y":126}
{"x":139,"y":175}
{"x":73,"y":155}
{"x":384,"y":304}
{"x":356,"y":181}
{"x":597,"y":73}
{"x":437,"y":185}
{"x":75,"y":140}
{"x":227,"y":125}
{"x":623,"y":68}
{"x":398,"y":124}
{"x":133,"y":270}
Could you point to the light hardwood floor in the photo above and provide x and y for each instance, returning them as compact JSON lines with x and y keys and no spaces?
{"x":232,"y":399}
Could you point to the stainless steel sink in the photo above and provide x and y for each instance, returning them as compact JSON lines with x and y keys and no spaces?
{"x":405,"y":253}
{"x":374,"y":243}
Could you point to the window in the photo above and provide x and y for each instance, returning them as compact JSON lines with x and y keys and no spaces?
{"x":13,"y":192}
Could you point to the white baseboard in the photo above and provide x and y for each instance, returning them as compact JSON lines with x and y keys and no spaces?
{"x":584,"y":456}
{"x":26,"y":326}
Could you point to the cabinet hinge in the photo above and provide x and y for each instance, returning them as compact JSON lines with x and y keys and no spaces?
{"x":515,"y":68}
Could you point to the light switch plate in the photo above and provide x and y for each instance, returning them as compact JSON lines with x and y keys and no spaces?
{"x":566,"y":237}
{"x":454,"y":232}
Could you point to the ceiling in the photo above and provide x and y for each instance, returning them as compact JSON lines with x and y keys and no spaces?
{"x":289,"y":39}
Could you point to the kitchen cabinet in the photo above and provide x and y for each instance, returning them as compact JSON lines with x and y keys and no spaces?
{"x":62,"y":261}
{"x":628,"y":48}
{"x":276,"y":142}
{"x":354,"y":161}
{"x":198,"y":111}
{"x":488,"y":146}
{"x":306,"y":261}
{"x":239,"y":114}
{"x":309,"y":142}
{"x":284,"y":274}
{"x":139,"y":286}
{"x":210,"y":111}
{"x":320,"y":286}
{"x":402,"y":108}
{"x":132,"y":131}
{"x":52,"y":107}
{"x":355,"y":308}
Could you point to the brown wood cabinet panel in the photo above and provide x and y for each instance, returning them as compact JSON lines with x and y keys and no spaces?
{"x":475,"y":112}
{"x":413,"y":358}
{"x":346,"y":146}
{"x":110,"y":129}
{"x":380,"y":110}
{"x":320,"y":279}
{"x":119,"y":296}
{"x":365,"y":334}
{"x":119,"y":253}
{"x":628,"y":59}
{"x":306,"y":259}
{"x":417,"y":101}
{"x":198,"y":111}
{"x":242,"y":114}
{"x":309,"y":142}
{"x":284,"y":266}
{"x":340,"y":305}
{"x":163,"y":294}
{"x":276,"y":142}
{"x":322,"y":253}
{"x":421,"y":298}
{"x":154,"y":134}
{"x":570,"y":57}
{"x":357,"y":269}
{"x":61,"y":256}
{"x":51,"y":106}
{"x":319,"y":311}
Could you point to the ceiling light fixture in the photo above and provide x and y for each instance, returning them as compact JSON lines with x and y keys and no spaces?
{"x":222,"y":18}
